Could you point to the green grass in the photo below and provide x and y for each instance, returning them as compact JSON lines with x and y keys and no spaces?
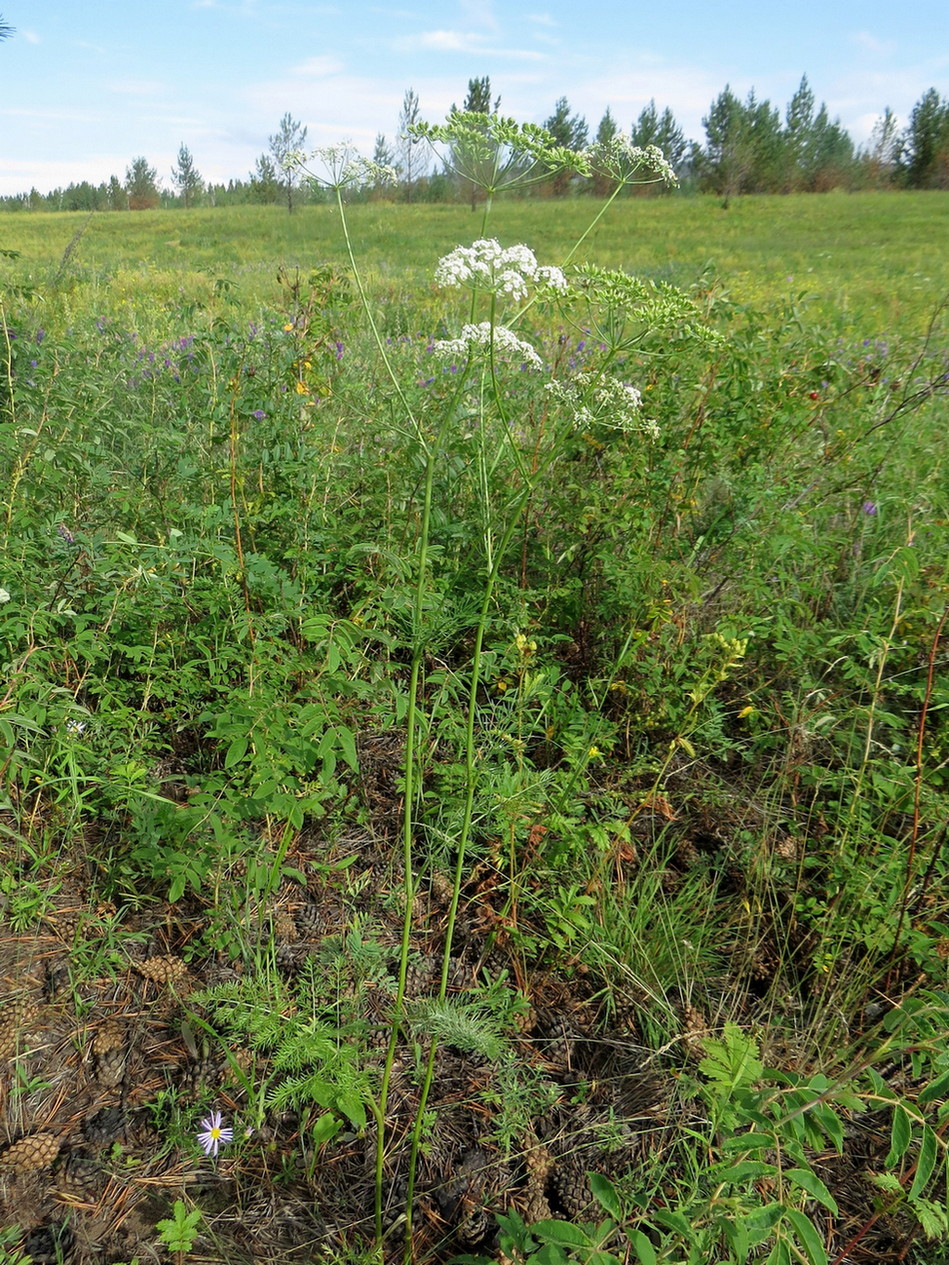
{"x":867,"y":260}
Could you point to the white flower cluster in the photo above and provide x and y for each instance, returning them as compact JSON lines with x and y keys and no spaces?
{"x":610,"y":403}
{"x":486,"y":265}
{"x":505,"y":343}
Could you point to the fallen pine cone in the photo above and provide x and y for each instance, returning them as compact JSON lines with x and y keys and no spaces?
{"x":31,"y":1153}
{"x":163,"y":969}
{"x":14,"y":1017}
{"x":111,"y":1036}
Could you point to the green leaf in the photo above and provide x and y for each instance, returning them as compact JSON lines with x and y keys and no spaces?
{"x":564,"y":1233}
{"x":939,"y":1088}
{"x":900,"y":1133}
{"x":932,"y":1218}
{"x":677,"y":1222}
{"x":748,"y":1142}
{"x":925,"y":1163}
{"x":550,"y":1254}
{"x":604,"y":1192}
{"x":745,"y":1171}
{"x":236,"y":752}
{"x":347,"y":743}
{"x":325,"y":1129}
{"x":807,"y":1180}
{"x":780,"y":1254}
{"x":807,"y":1234}
{"x":644,"y":1250}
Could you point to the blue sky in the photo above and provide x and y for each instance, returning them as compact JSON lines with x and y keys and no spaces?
{"x":87,"y":85}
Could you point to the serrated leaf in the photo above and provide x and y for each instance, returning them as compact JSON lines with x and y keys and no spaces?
{"x":939,"y":1088}
{"x":677,"y":1222}
{"x":604,"y":1192}
{"x":808,"y":1237}
{"x":561,"y":1232}
{"x":780,"y":1254}
{"x":807,"y":1180}
{"x":900,"y":1133}
{"x":745,"y":1171}
{"x":925,"y":1163}
{"x":932,"y":1218}
{"x":644,"y":1250}
{"x":235,"y":752}
{"x":748,"y":1142}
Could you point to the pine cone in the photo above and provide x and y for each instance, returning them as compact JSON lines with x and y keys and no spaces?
{"x":161,"y":969}
{"x":14,"y":1017}
{"x":83,"y":1176}
{"x":31,"y":1153}
{"x":105,"y":1126}
{"x":573,"y":1190}
{"x":49,"y":1244}
{"x":111,"y":1036}
{"x":695,"y":1029}
{"x":110,"y":1066}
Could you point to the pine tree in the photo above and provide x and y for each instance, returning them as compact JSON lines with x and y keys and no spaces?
{"x":569,"y":130}
{"x":925,"y":156}
{"x":478,"y":101}
{"x":288,"y":141}
{"x":186,"y":177}
{"x":141,"y":185}
{"x":409,"y":158}
{"x":264,"y":181}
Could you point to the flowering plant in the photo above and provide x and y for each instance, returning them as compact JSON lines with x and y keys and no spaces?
{"x":486,"y":266}
{"x":214,"y":1134}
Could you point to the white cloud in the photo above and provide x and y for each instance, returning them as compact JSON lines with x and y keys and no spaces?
{"x":30,"y":36}
{"x":461,"y":42}
{"x":481,"y":12}
{"x":317,"y":67}
{"x":871,"y":44}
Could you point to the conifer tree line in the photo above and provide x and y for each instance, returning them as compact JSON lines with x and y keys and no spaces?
{"x":750,"y":146}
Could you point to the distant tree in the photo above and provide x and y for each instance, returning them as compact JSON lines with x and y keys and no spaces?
{"x":745,"y":144}
{"x":186,"y":177}
{"x":483,"y":163}
{"x":478,"y":100}
{"x":264,"y":181}
{"x":661,"y":130}
{"x":382,"y":154}
{"x":408,"y":159}
{"x":818,"y":153}
{"x":798,"y":135}
{"x":141,"y":185}
{"x":882,"y":155}
{"x":287,"y":142}
{"x":830,"y":156}
{"x":117,"y":196}
{"x":603,"y":185}
{"x":607,"y":128}
{"x":925,"y":149}
{"x":5,"y":29}
{"x":570,"y":131}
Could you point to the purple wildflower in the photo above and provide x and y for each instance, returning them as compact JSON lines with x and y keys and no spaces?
{"x":213,"y":1134}
{"x":870,"y":507}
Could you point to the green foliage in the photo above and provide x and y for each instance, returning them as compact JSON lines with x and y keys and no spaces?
{"x":657,"y":626}
{"x":178,"y":1233}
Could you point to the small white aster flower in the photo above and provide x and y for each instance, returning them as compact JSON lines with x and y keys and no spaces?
{"x":213,"y":1134}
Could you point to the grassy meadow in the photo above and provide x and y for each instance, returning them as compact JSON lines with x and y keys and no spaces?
{"x":474,"y":766}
